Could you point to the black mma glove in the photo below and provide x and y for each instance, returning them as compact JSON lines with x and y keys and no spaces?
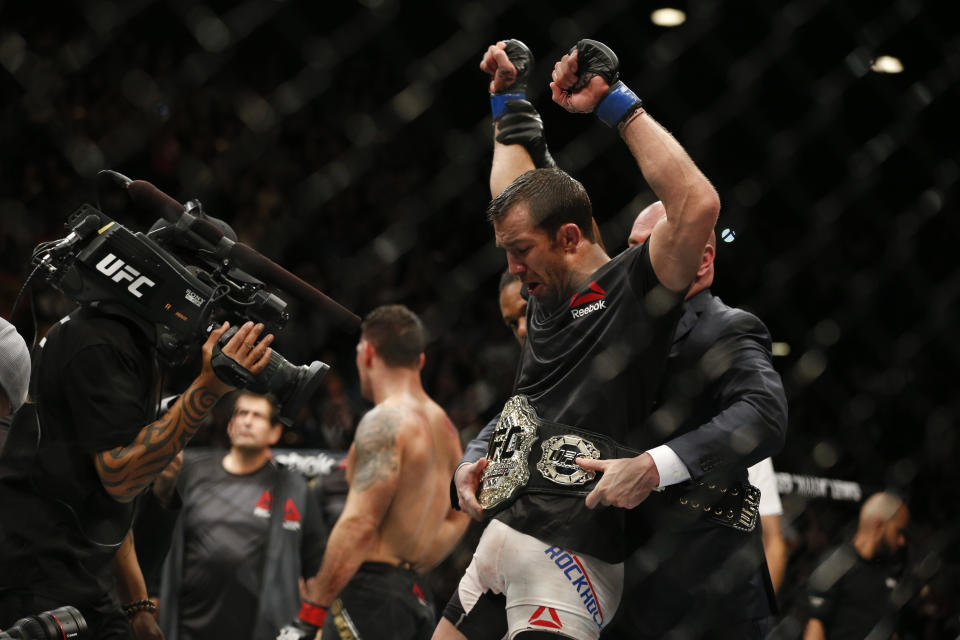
{"x":522,"y":59}
{"x":307,"y":624}
{"x":517,"y":120}
{"x":597,"y":59}
{"x":521,"y":124}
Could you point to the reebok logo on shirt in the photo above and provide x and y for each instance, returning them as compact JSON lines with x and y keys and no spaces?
{"x":262,"y":510}
{"x":291,"y":516}
{"x":582,"y":304}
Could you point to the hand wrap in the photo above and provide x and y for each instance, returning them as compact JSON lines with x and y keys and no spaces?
{"x":308,"y":623}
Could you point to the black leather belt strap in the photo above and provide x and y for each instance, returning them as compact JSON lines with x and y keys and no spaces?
{"x":733,"y":504}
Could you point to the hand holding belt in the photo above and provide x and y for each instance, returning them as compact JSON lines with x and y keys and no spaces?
{"x":515,"y":468}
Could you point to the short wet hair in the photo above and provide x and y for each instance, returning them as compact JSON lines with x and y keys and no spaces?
{"x":396,"y":333}
{"x":553,"y":197}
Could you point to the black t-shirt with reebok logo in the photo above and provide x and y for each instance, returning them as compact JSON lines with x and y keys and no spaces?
{"x":226,"y":524}
{"x":595,"y":362}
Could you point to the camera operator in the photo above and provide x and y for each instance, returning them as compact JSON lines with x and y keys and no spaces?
{"x":78,"y":457}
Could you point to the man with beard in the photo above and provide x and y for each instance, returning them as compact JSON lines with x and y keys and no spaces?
{"x":849,"y":592}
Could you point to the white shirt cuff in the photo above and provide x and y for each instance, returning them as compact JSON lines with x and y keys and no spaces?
{"x":669,"y":466}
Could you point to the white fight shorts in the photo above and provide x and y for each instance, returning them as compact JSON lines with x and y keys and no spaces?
{"x":546,"y":588}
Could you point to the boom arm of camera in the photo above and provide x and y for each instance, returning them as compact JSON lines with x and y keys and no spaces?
{"x":208,"y":237}
{"x":101,"y":262}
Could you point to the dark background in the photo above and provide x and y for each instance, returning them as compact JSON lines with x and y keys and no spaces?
{"x":350,"y":142}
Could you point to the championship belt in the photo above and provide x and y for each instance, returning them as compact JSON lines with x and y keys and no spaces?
{"x":515,"y":465}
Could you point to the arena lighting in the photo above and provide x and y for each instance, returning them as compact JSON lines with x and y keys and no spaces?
{"x":780,"y":349}
{"x":728,"y":235}
{"x":667,"y":17}
{"x":887,"y":64}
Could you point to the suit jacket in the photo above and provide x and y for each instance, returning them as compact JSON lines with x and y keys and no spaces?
{"x":721,"y":408}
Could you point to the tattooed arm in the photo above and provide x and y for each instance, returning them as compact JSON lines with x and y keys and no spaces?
{"x":128,"y":470}
{"x":377,"y":450}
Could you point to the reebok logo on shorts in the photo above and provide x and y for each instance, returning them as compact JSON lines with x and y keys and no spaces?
{"x":573,"y":571}
{"x":582,"y":304}
{"x":545,"y":617}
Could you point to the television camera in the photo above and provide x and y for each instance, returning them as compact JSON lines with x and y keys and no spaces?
{"x":184,"y":276}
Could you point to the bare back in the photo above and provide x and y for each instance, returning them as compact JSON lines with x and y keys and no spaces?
{"x":407,"y":444}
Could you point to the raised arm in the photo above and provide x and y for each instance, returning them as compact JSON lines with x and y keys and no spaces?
{"x":519,"y":144}
{"x":126,"y":471}
{"x":586,"y":80}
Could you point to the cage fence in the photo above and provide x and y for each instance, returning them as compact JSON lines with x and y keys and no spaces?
{"x":351,"y":143}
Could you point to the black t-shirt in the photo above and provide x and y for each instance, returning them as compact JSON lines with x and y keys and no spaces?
{"x":595,"y":362}
{"x":96,"y":379}
{"x":226,"y":520}
{"x":851,"y":596}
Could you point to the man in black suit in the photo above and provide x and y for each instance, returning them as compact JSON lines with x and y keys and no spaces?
{"x":721,"y":409}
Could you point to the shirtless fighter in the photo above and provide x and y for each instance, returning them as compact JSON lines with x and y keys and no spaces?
{"x":397,"y":522}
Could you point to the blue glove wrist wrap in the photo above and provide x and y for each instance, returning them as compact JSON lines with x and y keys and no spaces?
{"x":617,"y":104}
{"x":498,"y":103}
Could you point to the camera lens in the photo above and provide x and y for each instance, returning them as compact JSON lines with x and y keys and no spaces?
{"x":291,"y":384}
{"x":62,"y":623}
{"x":299,"y":388}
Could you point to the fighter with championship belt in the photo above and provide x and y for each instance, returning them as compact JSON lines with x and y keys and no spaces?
{"x":598,"y":334}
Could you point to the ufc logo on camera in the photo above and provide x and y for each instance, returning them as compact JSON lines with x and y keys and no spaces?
{"x":118,"y":271}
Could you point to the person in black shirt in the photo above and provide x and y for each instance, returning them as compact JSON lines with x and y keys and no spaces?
{"x":77,"y":460}
{"x":598,"y":334}
{"x":849,"y":593}
{"x":250,"y":529}
{"x":684,"y":594}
